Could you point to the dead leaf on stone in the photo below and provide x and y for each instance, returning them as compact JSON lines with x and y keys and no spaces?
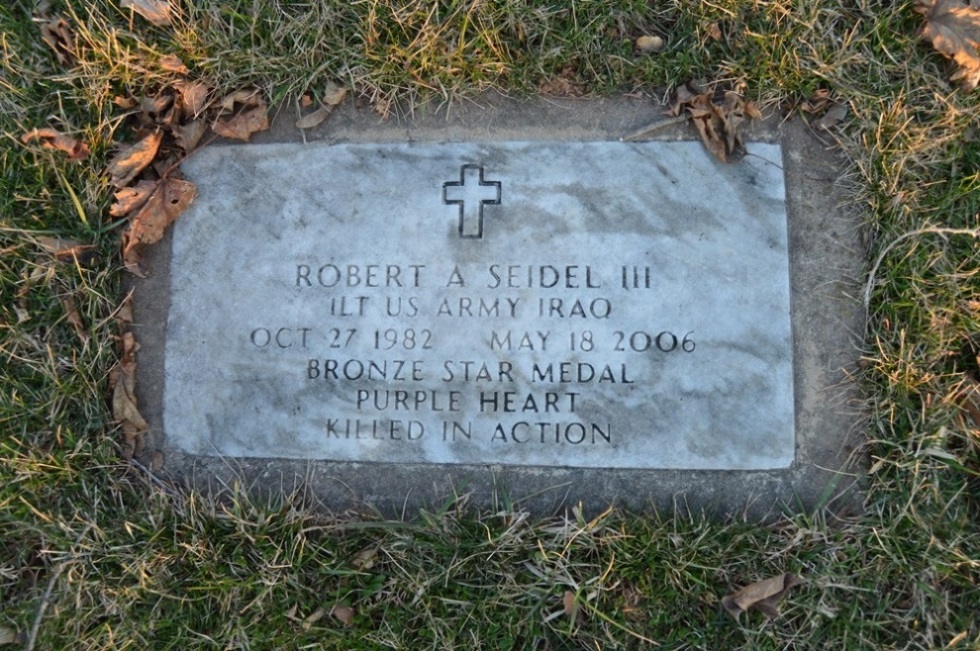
{"x":717,"y":120}
{"x":834,"y":114}
{"x":52,"y":139}
{"x":168,"y":200}
{"x":156,"y":11}
{"x":343,"y":614}
{"x":124,"y":408}
{"x":131,"y":160}
{"x":314,"y":119}
{"x":65,"y":250}
{"x":762,"y":596}
{"x":953,"y":27}
{"x":74,"y":318}
{"x":172,"y":63}
{"x":58,"y":36}
{"x":242,"y":125}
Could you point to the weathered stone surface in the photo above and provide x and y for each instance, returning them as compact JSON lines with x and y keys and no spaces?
{"x":825,"y":263}
{"x":596,"y":304}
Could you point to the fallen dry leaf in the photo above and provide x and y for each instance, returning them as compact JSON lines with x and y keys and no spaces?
{"x":74,"y":318}
{"x":193,"y":96}
{"x":160,"y":109}
{"x":156,"y":11}
{"x":717,"y":120}
{"x":52,"y":139}
{"x":762,"y":596}
{"x":189,"y":134}
{"x":172,"y":63}
{"x":714,"y":32}
{"x":953,"y":26}
{"x":58,"y":36}
{"x":130,"y":198}
{"x":305,"y":101}
{"x":242,"y":125}
{"x":168,"y":200}
{"x":333,"y":94}
{"x":124,"y":408}
{"x":343,"y":614}
{"x":314,"y":119}
{"x":245,"y":97}
{"x":131,"y":160}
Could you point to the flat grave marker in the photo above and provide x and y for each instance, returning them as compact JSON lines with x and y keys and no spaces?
{"x":508,"y":313}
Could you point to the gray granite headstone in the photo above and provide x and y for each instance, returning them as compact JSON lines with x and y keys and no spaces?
{"x":501,"y":312}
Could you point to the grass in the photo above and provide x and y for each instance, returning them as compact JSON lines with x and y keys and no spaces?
{"x":93,"y":555}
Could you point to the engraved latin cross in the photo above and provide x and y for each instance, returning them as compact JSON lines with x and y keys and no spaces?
{"x":471,"y":193}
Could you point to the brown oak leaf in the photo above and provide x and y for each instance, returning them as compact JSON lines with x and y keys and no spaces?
{"x":131,"y":160}
{"x":953,"y":26}
{"x":156,"y":11}
{"x":52,"y":139}
{"x":167,"y":201}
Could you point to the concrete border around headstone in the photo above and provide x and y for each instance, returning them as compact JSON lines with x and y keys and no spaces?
{"x":826,"y":260}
